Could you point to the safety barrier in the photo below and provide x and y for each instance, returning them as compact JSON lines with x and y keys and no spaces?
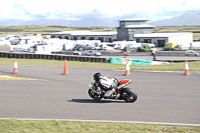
{"x":170,"y":53}
{"x":83,"y":58}
{"x":133,"y":53}
{"x":176,"y":61}
{"x":141,"y":62}
{"x":53,"y":57}
{"x":132,"y":61}
{"x":115,"y":60}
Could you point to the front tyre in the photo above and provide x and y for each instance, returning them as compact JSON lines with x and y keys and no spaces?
{"x":93,"y":95}
{"x":129,"y":95}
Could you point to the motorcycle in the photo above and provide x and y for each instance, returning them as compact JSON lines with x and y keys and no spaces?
{"x":121,"y":93}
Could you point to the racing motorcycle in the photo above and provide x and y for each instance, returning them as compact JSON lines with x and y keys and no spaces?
{"x":121,"y":93}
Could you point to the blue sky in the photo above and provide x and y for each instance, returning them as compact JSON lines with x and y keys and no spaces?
{"x":73,"y":10}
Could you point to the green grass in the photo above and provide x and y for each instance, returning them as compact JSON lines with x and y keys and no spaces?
{"x":196,"y":36}
{"x":194,"y":29}
{"x":32,"y":29}
{"x":178,"y":29}
{"x":193,"y":66}
{"x":53,"y":126}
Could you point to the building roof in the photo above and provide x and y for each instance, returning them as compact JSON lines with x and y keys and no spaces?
{"x":96,"y":33}
{"x":161,"y":34}
{"x":71,"y":32}
{"x":139,"y":26}
{"x":134,"y":20}
{"x":87,"y":33}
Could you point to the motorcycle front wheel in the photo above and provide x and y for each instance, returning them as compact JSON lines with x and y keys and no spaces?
{"x":93,"y":95}
{"x":129,"y":95}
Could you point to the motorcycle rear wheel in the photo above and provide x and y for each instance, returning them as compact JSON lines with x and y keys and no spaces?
{"x":129,"y":95}
{"x":94,"y":95}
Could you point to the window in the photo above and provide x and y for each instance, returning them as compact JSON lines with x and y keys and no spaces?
{"x":75,"y":38}
{"x":122,"y":24}
{"x":161,"y":43}
{"x":91,"y":38}
{"x":138,"y":40}
{"x":110,"y":40}
{"x":101,"y":39}
{"x":147,"y":40}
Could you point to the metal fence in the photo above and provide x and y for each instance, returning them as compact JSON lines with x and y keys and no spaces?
{"x":132,"y":53}
{"x":53,"y":57}
{"x":170,"y":53}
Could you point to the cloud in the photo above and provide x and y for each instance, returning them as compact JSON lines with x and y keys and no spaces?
{"x":76,"y":10}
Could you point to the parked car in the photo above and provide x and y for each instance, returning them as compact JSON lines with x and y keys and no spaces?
{"x":92,"y":52}
{"x":81,"y":47}
{"x":11,"y":37}
{"x":191,"y":53}
{"x":77,"y":52}
{"x":4,"y":41}
{"x":19,"y":50}
{"x":78,"y":47}
{"x":15,"y":41}
{"x":88,"y":47}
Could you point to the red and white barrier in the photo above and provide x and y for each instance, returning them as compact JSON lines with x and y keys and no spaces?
{"x":187,"y":72}
{"x":128,"y":72}
{"x":15,"y":69}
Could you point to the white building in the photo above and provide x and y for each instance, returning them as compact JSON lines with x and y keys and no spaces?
{"x":129,"y":27}
{"x":86,"y":35}
{"x":159,"y":39}
{"x":130,"y":30}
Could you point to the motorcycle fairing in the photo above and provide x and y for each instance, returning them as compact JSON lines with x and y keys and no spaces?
{"x":123,"y":83}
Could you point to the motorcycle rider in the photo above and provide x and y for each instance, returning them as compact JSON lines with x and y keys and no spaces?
{"x":105,"y":83}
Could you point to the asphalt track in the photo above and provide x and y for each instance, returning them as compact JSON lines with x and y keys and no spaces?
{"x":167,"y":97}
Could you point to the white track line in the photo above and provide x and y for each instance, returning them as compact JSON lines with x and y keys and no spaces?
{"x":107,"y":121}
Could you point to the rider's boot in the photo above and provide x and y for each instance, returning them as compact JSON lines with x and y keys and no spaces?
{"x":109,"y":94}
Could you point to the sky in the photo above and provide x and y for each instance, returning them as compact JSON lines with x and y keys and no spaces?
{"x":73,"y":10}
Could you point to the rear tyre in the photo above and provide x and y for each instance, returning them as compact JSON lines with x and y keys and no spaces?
{"x":129,"y":95}
{"x":94,"y":95}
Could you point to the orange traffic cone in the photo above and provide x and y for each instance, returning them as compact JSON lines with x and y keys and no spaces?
{"x":65,"y":68}
{"x":187,"y":72}
{"x":15,"y":69}
{"x":128,"y":72}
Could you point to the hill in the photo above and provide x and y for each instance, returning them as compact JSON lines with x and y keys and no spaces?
{"x":44,"y":30}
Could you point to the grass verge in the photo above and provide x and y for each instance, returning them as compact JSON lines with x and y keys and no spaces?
{"x":193,"y":66}
{"x":53,"y":126}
